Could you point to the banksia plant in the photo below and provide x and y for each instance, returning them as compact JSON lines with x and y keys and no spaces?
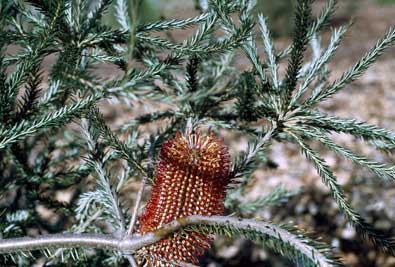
{"x":191,"y":179}
{"x":77,"y":155}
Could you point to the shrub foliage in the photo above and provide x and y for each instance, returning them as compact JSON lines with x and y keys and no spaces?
{"x":54,"y":138}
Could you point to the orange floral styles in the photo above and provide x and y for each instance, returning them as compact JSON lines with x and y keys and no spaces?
{"x":191,"y":179}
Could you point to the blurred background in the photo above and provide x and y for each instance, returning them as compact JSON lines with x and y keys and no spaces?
{"x":371,"y":98}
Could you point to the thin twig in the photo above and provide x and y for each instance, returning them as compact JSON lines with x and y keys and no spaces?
{"x":133,"y":16}
{"x":131,"y":260}
{"x":137,"y":205}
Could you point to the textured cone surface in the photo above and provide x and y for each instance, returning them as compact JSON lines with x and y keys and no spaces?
{"x":191,"y":178}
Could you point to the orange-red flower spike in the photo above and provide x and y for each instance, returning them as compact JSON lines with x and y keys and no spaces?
{"x":191,"y":179}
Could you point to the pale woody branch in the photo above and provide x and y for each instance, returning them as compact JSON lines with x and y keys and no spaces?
{"x":137,"y":241}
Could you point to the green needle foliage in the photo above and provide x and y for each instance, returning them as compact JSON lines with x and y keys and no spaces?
{"x":53,"y":136}
{"x":303,"y":250}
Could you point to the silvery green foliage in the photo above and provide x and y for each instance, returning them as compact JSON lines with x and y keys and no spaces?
{"x":53,"y":136}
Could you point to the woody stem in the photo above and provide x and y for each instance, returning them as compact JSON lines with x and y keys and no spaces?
{"x":136,"y":206}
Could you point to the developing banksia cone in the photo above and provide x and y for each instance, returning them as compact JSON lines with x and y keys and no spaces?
{"x":191,"y":179}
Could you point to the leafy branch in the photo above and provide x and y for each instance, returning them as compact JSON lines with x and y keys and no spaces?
{"x":303,"y":250}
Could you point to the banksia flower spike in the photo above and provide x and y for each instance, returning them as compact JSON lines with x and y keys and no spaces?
{"x":191,"y":179}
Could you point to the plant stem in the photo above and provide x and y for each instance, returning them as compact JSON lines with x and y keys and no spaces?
{"x":137,"y":205}
{"x":131,"y":260}
{"x":137,"y":241}
{"x":133,"y":11}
